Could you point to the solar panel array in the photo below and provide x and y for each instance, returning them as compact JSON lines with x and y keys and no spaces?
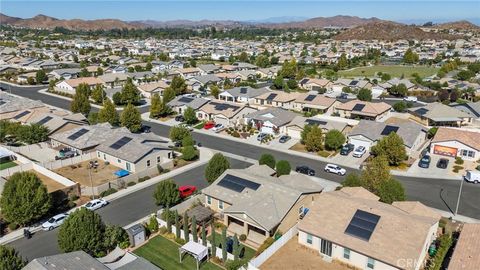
{"x":316,"y":122}
{"x":310,"y":97}
{"x":77,"y":134}
{"x":118,"y":144}
{"x":421,"y":111}
{"x":243,"y":90}
{"x":353,"y":83}
{"x":389,"y":129}
{"x":44,"y":120}
{"x":185,"y":99}
{"x":237,"y":184}
{"x":271,"y":96}
{"x":362,"y":225}
{"x":20,"y":115}
{"x":223,"y":106}
{"x":358,"y":107}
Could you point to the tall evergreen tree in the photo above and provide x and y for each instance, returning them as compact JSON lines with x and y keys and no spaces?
{"x":216,"y":166}
{"x":194,"y":229}
{"x":177,"y":225}
{"x":224,"y":244}
{"x":214,"y":242}
{"x":108,"y":113}
{"x":204,"y":235}
{"x":131,"y":118}
{"x":186,"y":232}
{"x":155,"y":107}
{"x":9,"y":259}
{"x":80,"y":102}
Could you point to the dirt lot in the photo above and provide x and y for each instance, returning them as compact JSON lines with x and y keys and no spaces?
{"x":51,"y":184}
{"x":295,"y":256}
{"x":79,"y":173}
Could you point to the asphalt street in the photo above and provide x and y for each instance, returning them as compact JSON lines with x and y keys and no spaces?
{"x":122,"y":211}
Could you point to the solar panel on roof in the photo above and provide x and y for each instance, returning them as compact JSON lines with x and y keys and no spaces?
{"x":421,"y":111}
{"x":315,"y":122}
{"x":362,"y":225}
{"x":77,"y":134}
{"x":358,"y":107}
{"x":310,"y":97}
{"x":185,"y":99}
{"x":353,"y":83}
{"x":389,"y":129}
{"x":44,"y":120}
{"x":20,"y":115}
{"x":118,"y":144}
{"x":237,"y":184}
{"x":243,"y":90}
{"x":271,"y":96}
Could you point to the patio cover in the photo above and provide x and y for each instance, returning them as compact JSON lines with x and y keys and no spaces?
{"x":5,"y":153}
{"x":202,"y":214}
{"x":122,"y":173}
{"x":198,"y":251}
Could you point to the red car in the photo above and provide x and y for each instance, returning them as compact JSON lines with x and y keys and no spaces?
{"x":186,"y":191}
{"x":209,"y":125}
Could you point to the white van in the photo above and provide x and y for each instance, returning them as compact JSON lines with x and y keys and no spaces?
{"x":472,"y":177}
{"x":411,"y":99}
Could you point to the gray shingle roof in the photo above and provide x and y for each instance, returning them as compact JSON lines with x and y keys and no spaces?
{"x":193,"y":103}
{"x":439,"y":112}
{"x":246,"y":91}
{"x":11,"y":103}
{"x":77,"y":260}
{"x":277,"y":116}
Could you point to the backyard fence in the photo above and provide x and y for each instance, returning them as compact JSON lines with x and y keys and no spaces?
{"x":280,"y":242}
{"x":69,"y":161}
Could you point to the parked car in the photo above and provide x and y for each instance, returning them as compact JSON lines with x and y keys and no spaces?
{"x":261,"y":136}
{"x":410,"y":99}
{"x":179,"y":118}
{"x":424,"y":162}
{"x":146,"y":129}
{"x":190,"y":128}
{"x":305,"y":170}
{"x":346,"y":149}
{"x":359,"y":151}
{"x":218,"y":127}
{"x":442,"y":163}
{"x":284,"y":139}
{"x":54,"y":222}
{"x":96,"y":204}
{"x":343,"y":96}
{"x":472,"y":177}
{"x":186,"y":191}
{"x":332,"y":168}
{"x":209,"y":125}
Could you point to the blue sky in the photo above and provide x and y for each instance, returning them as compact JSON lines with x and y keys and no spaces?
{"x":406,"y":11}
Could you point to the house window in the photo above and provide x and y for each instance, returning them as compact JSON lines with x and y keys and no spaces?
{"x":158,"y":159}
{"x":128,"y":166}
{"x":471,"y":154}
{"x":301,"y":209}
{"x":104,"y":157}
{"x":148,"y":163}
{"x":370,"y":263}
{"x":209,"y":200}
{"x":119,"y":161}
{"x":98,"y":154}
{"x":346,"y":253}
{"x":220,"y":204}
{"x":309,"y":239}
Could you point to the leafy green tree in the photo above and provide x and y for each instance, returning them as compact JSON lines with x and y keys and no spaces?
{"x":391,"y":191}
{"x":392,"y":147}
{"x":177,"y":225}
{"x":262,"y":61}
{"x":400,"y":106}
{"x":431,"y":132}
{"x":80,"y":102}
{"x":92,"y":118}
{"x":131,"y":118}
{"x":33,"y":133}
{"x":186,"y":233}
{"x":40,"y":76}
{"x":177,"y":133}
{"x":365,"y":94}
{"x":117,"y":98}
{"x":289,"y":69}
{"x":99,"y":71}
{"x":314,"y":139}
{"x":82,"y":230}
{"x":10,"y":259}
{"x":168,"y":218}
{"x":303,"y":135}
{"x":216,"y":166}
{"x":283,"y":168}
{"x":98,"y":94}
{"x":243,"y":57}
{"x":168,"y":94}
{"x":24,"y":198}
{"x":84,"y":72}
{"x":236,"y":247}
{"x":178,"y":85}
{"x":376,"y":172}
{"x":108,"y":113}
{"x":188,"y":141}
{"x":342,"y":62}
{"x":214,"y":91}
{"x":465,"y":75}
{"x":214,"y":245}
{"x":278,"y":82}
{"x":130,"y":93}
{"x":352,"y":180}
{"x":410,"y":57}
{"x":398,"y":90}
{"x":204,"y":235}
{"x":116,"y":235}
{"x":189,"y":153}
{"x":386,"y":77}
{"x":292,"y":84}
{"x":194,"y":229}
{"x":156,"y":106}
{"x":267,"y":159}
{"x":190,"y":116}
{"x":166,"y":193}
{"x":334,"y":139}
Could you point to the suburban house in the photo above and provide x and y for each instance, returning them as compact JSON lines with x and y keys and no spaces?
{"x":268,"y":73}
{"x":454,"y":142}
{"x":149,"y":89}
{"x":465,"y":255}
{"x":363,"y":110}
{"x":180,"y":103}
{"x":112,"y":80}
{"x":243,"y":94}
{"x":368,"y":133}
{"x":352,"y":226}
{"x":314,"y":84}
{"x":20,"y":109}
{"x":295,"y":127}
{"x":438,"y":114}
{"x":208,"y":68}
{"x":254,"y":203}
{"x":312,"y":102}
{"x":65,"y":73}
{"x":226,"y":113}
{"x":58,"y":123}
{"x":271,"y":121}
{"x":198,"y":83}
{"x":276,"y":99}
{"x":69,"y":86}
{"x":472,"y":108}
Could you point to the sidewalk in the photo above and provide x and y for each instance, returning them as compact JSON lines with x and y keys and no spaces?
{"x":205,"y":155}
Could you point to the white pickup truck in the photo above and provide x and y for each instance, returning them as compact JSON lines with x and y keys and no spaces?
{"x":472,"y":177}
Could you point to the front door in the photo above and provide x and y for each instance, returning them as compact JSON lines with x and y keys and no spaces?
{"x":326,"y":247}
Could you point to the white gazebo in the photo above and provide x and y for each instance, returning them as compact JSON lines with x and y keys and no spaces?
{"x":198,"y":251}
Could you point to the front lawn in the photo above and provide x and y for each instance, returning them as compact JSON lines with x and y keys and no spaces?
{"x":249,"y":252}
{"x":164,"y":254}
{"x":7,"y":164}
{"x":393,"y":70}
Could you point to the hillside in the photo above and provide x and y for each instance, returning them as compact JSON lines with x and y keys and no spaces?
{"x":46,"y":22}
{"x":383,"y":30}
{"x":322,"y":22}
{"x":458,"y":25}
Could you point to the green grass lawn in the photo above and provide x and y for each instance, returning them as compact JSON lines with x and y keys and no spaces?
{"x":164,"y":254}
{"x":249,"y":252}
{"x":7,"y":164}
{"x":394,"y":71}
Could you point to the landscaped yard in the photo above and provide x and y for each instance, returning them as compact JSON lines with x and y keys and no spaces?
{"x":249,"y":252}
{"x":164,"y":254}
{"x":394,"y":71}
{"x":7,"y":164}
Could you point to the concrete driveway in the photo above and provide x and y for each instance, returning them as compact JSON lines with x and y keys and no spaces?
{"x":432,"y":170}
{"x":349,"y":159}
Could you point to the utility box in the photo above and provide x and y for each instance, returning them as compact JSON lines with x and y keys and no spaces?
{"x":136,"y":235}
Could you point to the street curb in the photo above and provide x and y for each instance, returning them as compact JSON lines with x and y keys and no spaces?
{"x":20,"y":85}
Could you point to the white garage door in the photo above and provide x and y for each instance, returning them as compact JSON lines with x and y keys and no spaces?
{"x":294,"y":133}
{"x":221,"y":120}
{"x":268,"y":130}
{"x":358,"y":143}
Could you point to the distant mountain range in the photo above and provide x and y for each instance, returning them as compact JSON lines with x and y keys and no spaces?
{"x":359,"y":28}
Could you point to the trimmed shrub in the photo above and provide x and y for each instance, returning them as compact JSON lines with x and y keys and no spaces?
{"x":142,"y":179}
{"x":459,"y":161}
{"x":268,"y":242}
{"x":243,"y":237}
{"x":108,"y":192}
{"x":131,"y":184}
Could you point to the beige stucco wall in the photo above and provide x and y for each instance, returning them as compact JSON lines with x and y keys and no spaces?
{"x":293,"y":216}
{"x":214,"y":204}
{"x":139,"y":165}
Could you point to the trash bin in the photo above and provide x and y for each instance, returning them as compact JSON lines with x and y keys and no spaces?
{"x":27,"y":233}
